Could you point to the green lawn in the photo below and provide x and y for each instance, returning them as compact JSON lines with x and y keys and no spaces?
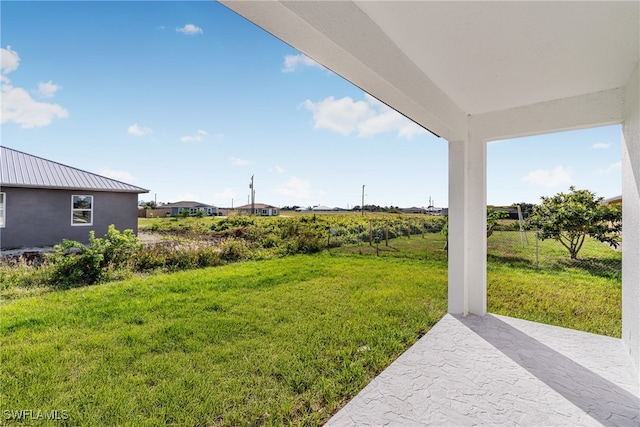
{"x":272,"y":342}
{"x":583,"y":294}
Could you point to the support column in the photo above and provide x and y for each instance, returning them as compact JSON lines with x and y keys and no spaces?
{"x":467,"y":227}
{"x":631,"y":221}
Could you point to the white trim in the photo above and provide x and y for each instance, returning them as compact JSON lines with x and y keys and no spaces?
{"x":3,"y":212}
{"x":84,"y":210}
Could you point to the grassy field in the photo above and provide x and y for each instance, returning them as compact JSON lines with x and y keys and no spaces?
{"x":271,"y":342}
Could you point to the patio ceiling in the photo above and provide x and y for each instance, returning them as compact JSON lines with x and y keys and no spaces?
{"x":440,"y":62}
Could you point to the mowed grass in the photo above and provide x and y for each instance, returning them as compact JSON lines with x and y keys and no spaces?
{"x":583,"y":294}
{"x":285,"y":341}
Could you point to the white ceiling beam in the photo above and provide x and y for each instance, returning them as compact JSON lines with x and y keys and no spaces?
{"x":578,"y":112}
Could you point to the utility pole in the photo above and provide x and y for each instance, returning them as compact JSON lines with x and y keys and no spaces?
{"x":253,"y":197}
{"x":362,"y":207}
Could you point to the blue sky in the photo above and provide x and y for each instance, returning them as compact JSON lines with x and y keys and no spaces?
{"x":189,"y":100}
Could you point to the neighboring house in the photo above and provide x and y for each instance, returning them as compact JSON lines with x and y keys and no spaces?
{"x":437,"y":211}
{"x":178,"y":208}
{"x":43,"y":202}
{"x":259,"y":209}
{"x":617,"y":200}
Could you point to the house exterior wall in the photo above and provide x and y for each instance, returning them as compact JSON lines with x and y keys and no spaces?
{"x":193,"y":211}
{"x":260,"y":211}
{"x":631,"y":221}
{"x":42,"y":217}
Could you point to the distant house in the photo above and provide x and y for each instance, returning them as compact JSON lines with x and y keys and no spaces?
{"x":259,"y":209}
{"x":193,"y":208}
{"x":321,"y":209}
{"x":617,"y":200}
{"x":43,"y":202}
{"x":414,"y":210}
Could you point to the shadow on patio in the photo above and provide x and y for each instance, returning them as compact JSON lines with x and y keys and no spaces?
{"x":496,"y":370}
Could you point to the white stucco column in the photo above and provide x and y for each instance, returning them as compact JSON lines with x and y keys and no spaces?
{"x":467,"y":227}
{"x":631,"y":221}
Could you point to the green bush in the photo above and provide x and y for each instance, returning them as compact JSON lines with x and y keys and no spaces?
{"x":234,"y":250}
{"x":76,"y":264}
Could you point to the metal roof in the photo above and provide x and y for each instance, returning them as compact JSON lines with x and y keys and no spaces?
{"x":18,"y":169}
{"x":257,"y":206}
{"x":186,"y":204}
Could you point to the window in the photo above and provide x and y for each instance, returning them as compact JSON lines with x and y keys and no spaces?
{"x":264,"y":212}
{"x":3,"y":210}
{"x":81,"y":210}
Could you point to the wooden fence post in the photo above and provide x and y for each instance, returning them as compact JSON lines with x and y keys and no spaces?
{"x":370,"y":232}
{"x":386,"y":233}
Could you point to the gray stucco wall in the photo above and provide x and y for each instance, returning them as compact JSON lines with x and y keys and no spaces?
{"x":39,"y":217}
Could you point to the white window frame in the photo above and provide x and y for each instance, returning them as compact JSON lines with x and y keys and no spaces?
{"x":3,"y":210}
{"x":90,"y":223}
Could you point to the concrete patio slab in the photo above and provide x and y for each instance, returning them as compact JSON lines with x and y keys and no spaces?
{"x":495,"y":370}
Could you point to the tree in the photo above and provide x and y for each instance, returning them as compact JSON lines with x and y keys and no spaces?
{"x":492,"y":219}
{"x":147,"y":205}
{"x":570,"y":217}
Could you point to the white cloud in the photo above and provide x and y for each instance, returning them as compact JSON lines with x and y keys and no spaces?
{"x":239,"y":162}
{"x":341,"y":115}
{"x":292,"y":62}
{"x":17,"y":105}
{"x":190,"y":29}
{"x":196,"y":137}
{"x":9,"y":60}
{"x":367,"y":118}
{"x":295,"y":187}
{"x":277,"y":169}
{"x":601,"y":146}
{"x":48,"y":89}
{"x":136,"y":130}
{"x":555,"y":178}
{"x":612,"y":168}
{"x":120,"y":175}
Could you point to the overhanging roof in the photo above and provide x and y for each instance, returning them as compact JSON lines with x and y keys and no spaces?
{"x":18,"y":169}
{"x":441,"y":62}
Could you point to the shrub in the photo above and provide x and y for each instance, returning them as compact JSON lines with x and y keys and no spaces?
{"x":234,"y":250}
{"x":75,"y":264}
{"x":176,"y":256}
